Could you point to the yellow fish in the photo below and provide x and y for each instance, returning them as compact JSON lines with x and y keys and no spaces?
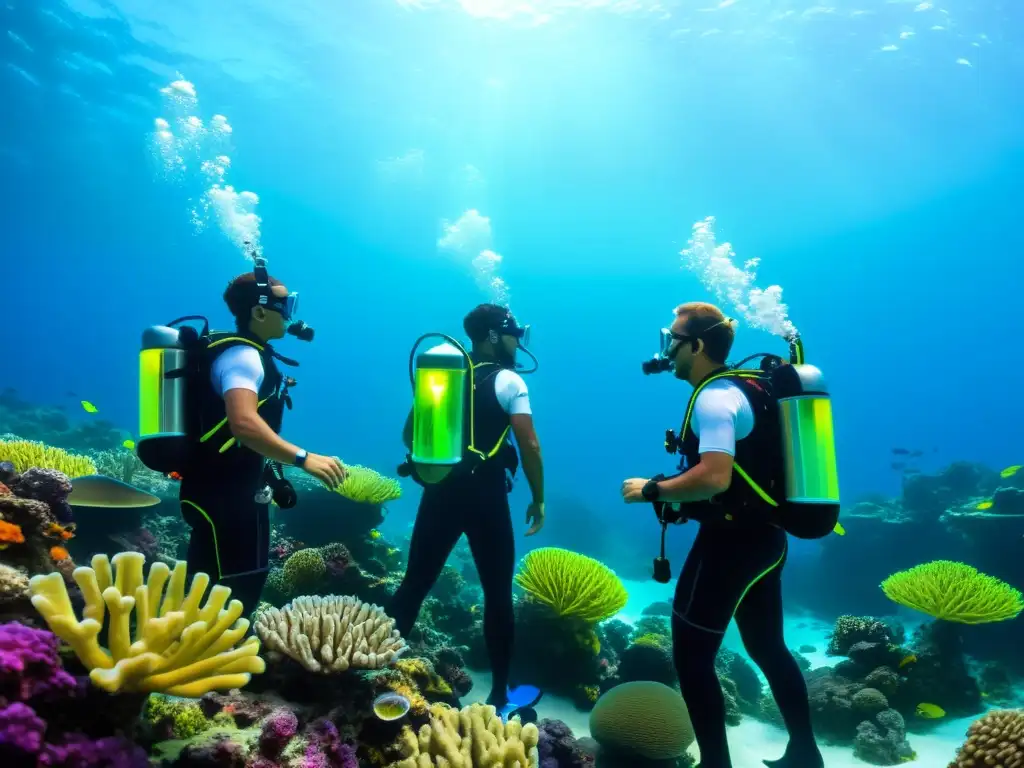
{"x":129,"y":444}
{"x":390,"y":706}
{"x":839,"y":529}
{"x":930,"y":711}
{"x":375,"y":534}
{"x":907,"y":660}
{"x":1011,"y":471}
{"x":984,"y":504}
{"x":89,"y":407}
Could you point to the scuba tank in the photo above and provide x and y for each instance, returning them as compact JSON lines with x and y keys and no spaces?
{"x":165,"y":360}
{"x":438,"y":412}
{"x":811,"y":506}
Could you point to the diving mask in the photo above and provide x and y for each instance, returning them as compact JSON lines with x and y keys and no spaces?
{"x":510,"y":327}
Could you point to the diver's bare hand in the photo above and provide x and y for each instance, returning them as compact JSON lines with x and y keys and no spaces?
{"x":535,"y":515}
{"x":327,"y":469}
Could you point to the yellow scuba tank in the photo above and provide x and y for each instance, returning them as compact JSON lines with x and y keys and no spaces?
{"x":438,"y":413}
{"x":811,"y":506}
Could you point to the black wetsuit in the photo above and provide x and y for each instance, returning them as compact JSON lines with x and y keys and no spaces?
{"x":474,"y":504}
{"x":734,"y":570}
{"x":230,"y":528}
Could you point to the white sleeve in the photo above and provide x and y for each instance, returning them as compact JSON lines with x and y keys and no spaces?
{"x":237,"y":368}
{"x":512,"y":393}
{"x":721,"y":416}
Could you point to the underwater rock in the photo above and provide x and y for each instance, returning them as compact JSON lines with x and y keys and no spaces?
{"x":615,"y":634}
{"x":926,"y":497}
{"x":807,"y":649}
{"x":648,"y":661}
{"x":882,"y":740}
{"x":850,"y":630}
{"x":831,"y":699}
{"x":660,"y":608}
{"x":939,"y":675}
{"x":731,"y":665}
{"x":558,"y":748}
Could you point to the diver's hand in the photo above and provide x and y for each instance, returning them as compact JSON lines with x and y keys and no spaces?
{"x":535,"y":515}
{"x":327,"y":469}
{"x":633,"y":490}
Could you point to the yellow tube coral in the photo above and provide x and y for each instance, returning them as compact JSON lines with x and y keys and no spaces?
{"x":574,"y":585}
{"x":367,"y":486}
{"x":179,"y":647}
{"x":953,"y":591}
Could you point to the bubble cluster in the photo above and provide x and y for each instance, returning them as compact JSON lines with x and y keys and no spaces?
{"x":470,"y":238}
{"x":196,"y":156}
{"x":713,"y":264}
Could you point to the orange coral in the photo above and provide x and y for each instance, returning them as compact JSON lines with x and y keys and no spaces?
{"x":59,"y":553}
{"x":59,"y":531}
{"x":10,"y":533}
{"x":4,"y":490}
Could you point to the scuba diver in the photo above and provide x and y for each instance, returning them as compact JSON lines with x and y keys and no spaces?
{"x":226,"y":449}
{"x":467,"y":492}
{"x":731,"y":482}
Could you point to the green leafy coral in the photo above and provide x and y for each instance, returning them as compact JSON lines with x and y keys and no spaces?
{"x":574,"y":585}
{"x":25,"y":454}
{"x":367,"y":486}
{"x":954,"y":591}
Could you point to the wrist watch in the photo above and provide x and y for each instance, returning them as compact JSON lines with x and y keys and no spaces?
{"x":650,"y":491}
{"x":300,"y":458}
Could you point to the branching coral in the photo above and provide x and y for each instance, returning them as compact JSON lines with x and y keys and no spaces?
{"x":331,"y":634}
{"x":26,"y":454}
{"x":367,"y":486}
{"x":954,"y":592}
{"x":995,"y":739}
{"x":473,"y":737}
{"x":574,"y":585}
{"x":179,"y":647}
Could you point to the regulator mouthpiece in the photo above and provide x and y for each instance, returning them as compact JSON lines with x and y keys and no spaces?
{"x":656,"y":364}
{"x":301,"y":331}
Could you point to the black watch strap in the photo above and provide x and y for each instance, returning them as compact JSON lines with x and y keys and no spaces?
{"x":650,"y":491}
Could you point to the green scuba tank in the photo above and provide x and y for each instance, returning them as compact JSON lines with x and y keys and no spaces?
{"x":811,"y":506}
{"x":162,"y":441}
{"x":438,"y":414}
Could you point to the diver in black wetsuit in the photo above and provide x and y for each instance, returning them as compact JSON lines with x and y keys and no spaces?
{"x":475,"y":503}
{"x":734,"y":568}
{"x":237,"y":412}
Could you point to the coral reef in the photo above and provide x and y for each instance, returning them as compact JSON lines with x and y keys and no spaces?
{"x":178,"y":647}
{"x":574,"y":585}
{"x":954,"y":592}
{"x":365,"y":486}
{"x":29,"y":454}
{"x":557,"y":747}
{"x":34,"y":518}
{"x":997,"y":739}
{"x":331,"y":634}
{"x":32,"y":684}
{"x":473,"y":737}
{"x":642,"y":719}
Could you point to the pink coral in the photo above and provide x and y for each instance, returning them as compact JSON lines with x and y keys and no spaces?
{"x":277,"y":730}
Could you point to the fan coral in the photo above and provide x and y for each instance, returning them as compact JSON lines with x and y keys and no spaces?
{"x":574,"y":585}
{"x":178,"y":647}
{"x":331,"y":634}
{"x":955,"y":592}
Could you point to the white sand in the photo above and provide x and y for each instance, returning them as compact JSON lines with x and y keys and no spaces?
{"x":752,"y":741}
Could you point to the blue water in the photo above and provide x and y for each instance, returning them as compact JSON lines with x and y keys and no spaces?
{"x":880,"y":188}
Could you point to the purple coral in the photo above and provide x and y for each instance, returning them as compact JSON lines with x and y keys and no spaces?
{"x":21,"y":730}
{"x":327,"y":750}
{"x":81,"y":752}
{"x":30,"y":665}
{"x":278,"y":729}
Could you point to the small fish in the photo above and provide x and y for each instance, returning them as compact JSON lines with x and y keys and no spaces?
{"x":983,"y":505}
{"x":375,"y":534}
{"x":838,"y":528}
{"x":174,"y":476}
{"x":106,"y":492}
{"x":900,"y":452}
{"x":390,"y":706}
{"x":129,"y":444}
{"x":907,"y":660}
{"x":930,"y":711}
{"x":1011,"y":471}
{"x":474,"y":608}
{"x":984,"y":695}
{"x":89,"y":407}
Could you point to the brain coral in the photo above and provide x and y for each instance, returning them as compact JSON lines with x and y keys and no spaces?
{"x":642,"y":718}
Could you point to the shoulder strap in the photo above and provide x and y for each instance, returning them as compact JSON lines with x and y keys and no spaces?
{"x":740,"y":374}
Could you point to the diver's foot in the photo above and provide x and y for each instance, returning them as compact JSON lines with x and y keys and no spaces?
{"x":811,"y":759}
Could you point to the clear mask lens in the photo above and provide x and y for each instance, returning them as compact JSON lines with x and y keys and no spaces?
{"x":665,"y":342}
{"x":291,"y":306}
{"x":524,"y":338}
